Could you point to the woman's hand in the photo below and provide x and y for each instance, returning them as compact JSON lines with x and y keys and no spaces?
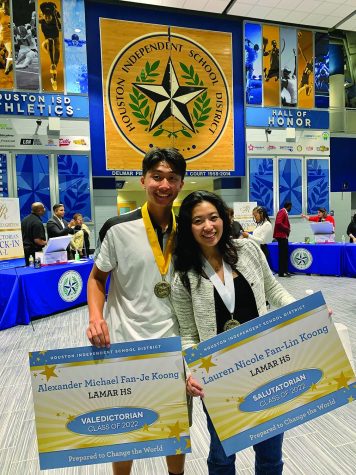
{"x":194,"y":388}
{"x":245,"y":234}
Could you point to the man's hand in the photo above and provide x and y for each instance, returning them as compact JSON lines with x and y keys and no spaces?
{"x":98,"y":333}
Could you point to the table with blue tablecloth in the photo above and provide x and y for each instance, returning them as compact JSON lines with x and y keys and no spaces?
{"x":349,"y":261}
{"x":27,"y":293}
{"x":323,"y":259}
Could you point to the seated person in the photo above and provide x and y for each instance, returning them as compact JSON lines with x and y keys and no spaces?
{"x":321,"y":217}
{"x":237,"y":229}
{"x":80,"y":241}
{"x":351,"y":229}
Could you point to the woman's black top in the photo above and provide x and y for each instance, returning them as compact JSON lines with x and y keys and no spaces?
{"x":245,"y":304}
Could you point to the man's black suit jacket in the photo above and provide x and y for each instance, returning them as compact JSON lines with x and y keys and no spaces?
{"x":55,"y":228}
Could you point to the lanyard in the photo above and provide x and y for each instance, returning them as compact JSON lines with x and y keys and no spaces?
{"x":162,"y":260}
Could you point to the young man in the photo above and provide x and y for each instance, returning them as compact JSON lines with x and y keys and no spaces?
{"x":281,"y":233}
{"x":57,"y":226}
{"x":131,"y":248}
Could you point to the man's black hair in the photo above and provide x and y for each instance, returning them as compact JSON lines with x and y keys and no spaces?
{"x":169,"y":155}
{"x":56,"y":206}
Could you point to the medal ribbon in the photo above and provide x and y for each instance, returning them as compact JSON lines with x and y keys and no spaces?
{"x":227,"y":291}
{"x":162,"y":260}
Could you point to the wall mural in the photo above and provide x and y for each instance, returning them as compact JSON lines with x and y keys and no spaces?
{"x":167,"y":86}
{"x":295,"y":67}
{"x":6,"y":47}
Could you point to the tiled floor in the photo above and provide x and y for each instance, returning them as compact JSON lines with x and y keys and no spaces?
{"x":324,"y":446}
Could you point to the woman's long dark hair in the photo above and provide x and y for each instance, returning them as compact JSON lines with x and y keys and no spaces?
{"x":187,"y":254}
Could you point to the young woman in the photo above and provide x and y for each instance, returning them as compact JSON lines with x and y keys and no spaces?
{"x":205,"y":252}
{"x":263,"y":232}
{"x":351,"y":229}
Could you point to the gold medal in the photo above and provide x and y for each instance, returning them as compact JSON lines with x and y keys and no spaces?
{"x":162,"y":289}
{"x":232,"y":323}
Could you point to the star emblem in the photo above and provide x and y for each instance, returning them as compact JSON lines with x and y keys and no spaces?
{"x":71,"y":286}
{"x":350,"y":399}
{"x":342,"y":381}
{"x":171,"y":98}
{"x":175,"y":430}
{"x":49,"y":372}
{"x":206,"y":363}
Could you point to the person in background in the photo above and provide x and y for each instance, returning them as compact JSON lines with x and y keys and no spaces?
{"x":33,"y":231}
{"x":49,"y":21}
{"x":80,"y":241}
{"x":351,"y":229}
{"x":57,"y":226}
{"x":263,"y":232}
{"x":320,"y":217}
{"x":208,"y":265}
{"x":131,"y":247}
{"x":281,"y":233}
{"x":5,"y":34}
{"x":236,"y":227}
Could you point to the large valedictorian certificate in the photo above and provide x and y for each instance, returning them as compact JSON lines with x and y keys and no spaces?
{"x":273,"y":373}
{"x":102,"y":405}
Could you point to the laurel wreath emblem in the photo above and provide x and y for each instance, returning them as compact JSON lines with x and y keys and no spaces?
{"x":139,"y":104}
{"x":201,"y":105}
{"x":141,"y":108}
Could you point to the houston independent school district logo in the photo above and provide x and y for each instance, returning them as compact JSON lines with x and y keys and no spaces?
{"x":161,"y":88}
{"x":70,"y":286}
{"x":301,"y":258}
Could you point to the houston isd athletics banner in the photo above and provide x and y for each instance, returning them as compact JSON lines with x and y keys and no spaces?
{"x":167,"y":86}
{"x":103,"y":405}
{"x":273,"y":373}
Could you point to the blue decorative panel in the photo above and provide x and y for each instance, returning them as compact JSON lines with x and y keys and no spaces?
{"x":261,"y":182}
{"x":253,"y":63}
{"x":76,"y":70}
{"x":321,"y":70}
{"x":74,"y":185}
{"x":33,"y":183}
{"x":4,"y":190}
{"x":317,"y":185}
{"x":290,"y":183}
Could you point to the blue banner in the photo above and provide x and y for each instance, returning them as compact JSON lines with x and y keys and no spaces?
{"x":119,"y":403}
{"x":277,"y":117}
{"x":4,"y":190}
{"x":272,"y":373}
{"x":76,"y":70}
{"x":43,"y":105}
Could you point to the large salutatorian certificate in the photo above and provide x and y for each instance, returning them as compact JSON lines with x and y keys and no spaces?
{"x":103,"y":405}
{"x":273,"y":373}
